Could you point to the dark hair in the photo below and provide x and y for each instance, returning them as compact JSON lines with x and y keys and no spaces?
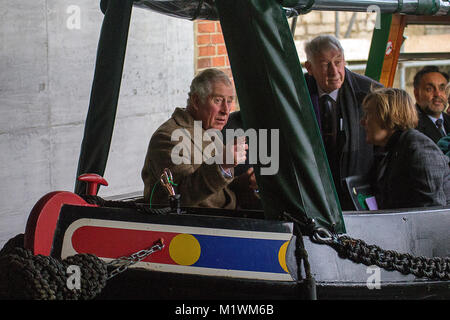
{"x":425,"y":70}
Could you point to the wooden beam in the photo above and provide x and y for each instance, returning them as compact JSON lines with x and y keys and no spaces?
{"x":430,"y":20}
{"x":392,"y":53}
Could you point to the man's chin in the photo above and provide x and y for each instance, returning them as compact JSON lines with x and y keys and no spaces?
{"x":333,"y":86}
{"x":218,"y":127}
{"x":437,"y":108}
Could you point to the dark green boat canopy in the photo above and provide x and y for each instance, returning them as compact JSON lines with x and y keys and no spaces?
{"x":273,"y":95}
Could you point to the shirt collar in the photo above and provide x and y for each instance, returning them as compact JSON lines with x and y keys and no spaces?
{"x":332,"y":94}
{"x":434,"y":119}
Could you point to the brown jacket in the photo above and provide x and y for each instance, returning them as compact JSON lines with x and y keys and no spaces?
{"x":200,"y":185}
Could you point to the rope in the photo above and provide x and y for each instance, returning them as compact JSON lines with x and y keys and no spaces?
{"x":24,"y":275}
{"x":27,"y":276}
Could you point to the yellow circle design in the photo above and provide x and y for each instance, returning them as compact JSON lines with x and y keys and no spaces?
{"x":282,"y":256}
{"x":184,"y":249}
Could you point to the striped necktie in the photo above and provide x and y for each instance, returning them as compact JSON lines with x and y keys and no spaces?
{"x":439,"y":126}
{"x":329,"y":119}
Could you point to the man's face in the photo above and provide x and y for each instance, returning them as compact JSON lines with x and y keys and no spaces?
{"x":328,"y":69}
{"x":430,"y":94}
{"x":214,"y":111}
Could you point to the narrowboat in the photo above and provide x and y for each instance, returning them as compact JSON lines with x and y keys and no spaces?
{"x":300,"y":246}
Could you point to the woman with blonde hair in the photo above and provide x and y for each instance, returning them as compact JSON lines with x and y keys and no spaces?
{"x":414,"y":172}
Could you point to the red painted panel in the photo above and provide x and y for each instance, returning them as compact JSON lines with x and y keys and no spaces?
{"x":114,"y":243}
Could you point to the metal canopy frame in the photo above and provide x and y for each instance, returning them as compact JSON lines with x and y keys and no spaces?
{"x":206,"y":9}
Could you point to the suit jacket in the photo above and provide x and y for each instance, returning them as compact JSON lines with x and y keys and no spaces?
{"x":414,"y":173}
{"x":200,"y":184}
{"x":355,"y":156}
{"x":428,"y":128}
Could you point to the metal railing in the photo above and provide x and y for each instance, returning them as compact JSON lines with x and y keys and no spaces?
{"x":415,"y":7}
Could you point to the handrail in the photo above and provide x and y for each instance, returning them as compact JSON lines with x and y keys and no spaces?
{"x":206,"y":10}
{"x":413,"y":7}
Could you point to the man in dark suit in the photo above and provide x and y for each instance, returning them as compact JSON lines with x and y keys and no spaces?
{"x":337,"y":94}
{"x":431,"y":101}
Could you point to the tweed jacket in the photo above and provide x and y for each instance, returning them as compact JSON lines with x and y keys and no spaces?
{"x":200,"y":184}
{"x":428,"y":128}
{"x":414,"y":173}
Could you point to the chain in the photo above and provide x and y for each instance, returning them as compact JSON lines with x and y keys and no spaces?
{"x":358,"y":251}
{"x":124,"y":262}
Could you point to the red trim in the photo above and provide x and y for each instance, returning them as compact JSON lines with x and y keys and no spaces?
{"x":114,"y":243}
{"x":42,"y":220}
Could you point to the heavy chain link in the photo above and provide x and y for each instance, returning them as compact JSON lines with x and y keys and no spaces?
{"x":124,"y":262}
{"x":358,"y":251}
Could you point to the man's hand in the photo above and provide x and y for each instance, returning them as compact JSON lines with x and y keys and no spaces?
{"x":246,"y":190}
{"x":246,"y":182}
{"x":234,"y":153}
{"x":250,"y":176}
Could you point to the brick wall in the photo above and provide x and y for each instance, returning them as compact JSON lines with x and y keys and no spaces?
{"x":210,"y":50}
{"x":210,"y":47}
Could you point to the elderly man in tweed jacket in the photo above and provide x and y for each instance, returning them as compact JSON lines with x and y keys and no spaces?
{"x":201,"y":182}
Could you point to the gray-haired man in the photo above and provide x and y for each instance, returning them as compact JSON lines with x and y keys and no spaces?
{"x":177,"y":142}
{"x":337,"y":94}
